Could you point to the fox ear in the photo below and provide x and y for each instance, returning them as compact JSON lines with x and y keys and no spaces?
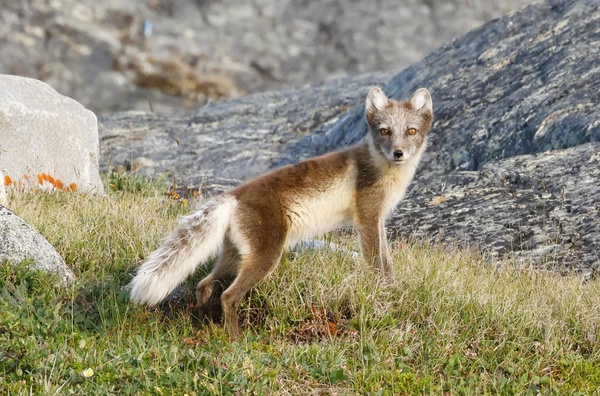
{"x":376,"y":100}
{"x":421,"y":99}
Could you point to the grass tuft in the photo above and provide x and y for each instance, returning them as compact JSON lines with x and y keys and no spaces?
{"x":321,"y":323}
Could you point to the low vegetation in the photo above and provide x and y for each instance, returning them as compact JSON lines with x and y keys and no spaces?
{"x":451,"y":323}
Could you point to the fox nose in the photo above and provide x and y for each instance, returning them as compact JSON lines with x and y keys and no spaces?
{"x":398,"y":154}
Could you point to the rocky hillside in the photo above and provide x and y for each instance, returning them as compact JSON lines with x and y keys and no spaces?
{"x":513,"y":163}
{"x":160,"y":55}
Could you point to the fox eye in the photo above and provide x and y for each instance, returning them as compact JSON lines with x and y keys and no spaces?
{"x":411,"y":131}
{"x":384,"y":131}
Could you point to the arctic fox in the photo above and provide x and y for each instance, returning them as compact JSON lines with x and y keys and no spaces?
{"x":252,"y":224}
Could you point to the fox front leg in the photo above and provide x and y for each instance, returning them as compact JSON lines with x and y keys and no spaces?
{"x":374,"y":245}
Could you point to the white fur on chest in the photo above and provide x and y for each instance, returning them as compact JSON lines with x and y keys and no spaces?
{"x":394,"y":178}
{"x":317,"y":214}
{"x":395,"y":184}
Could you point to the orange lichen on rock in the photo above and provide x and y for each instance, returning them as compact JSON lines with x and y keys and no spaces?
{"x":7,"y":180}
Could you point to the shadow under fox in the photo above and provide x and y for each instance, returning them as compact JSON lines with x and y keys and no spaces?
{"x":254,"y":223}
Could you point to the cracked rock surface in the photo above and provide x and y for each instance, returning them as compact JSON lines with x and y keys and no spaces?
{"x":541,"y":209}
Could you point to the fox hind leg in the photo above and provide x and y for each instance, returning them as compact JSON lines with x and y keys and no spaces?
{"x":253,"y":269}
{"x":209,"y":289}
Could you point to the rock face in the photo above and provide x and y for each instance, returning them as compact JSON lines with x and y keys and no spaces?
{"x":18,"y":241}
{"x":162,"y":54}
{"x":232,"y":139}
{"x":47,"y":140}
{"x":541,"y":209}
{"x":523,"y":84}
{"x":513,"y":161}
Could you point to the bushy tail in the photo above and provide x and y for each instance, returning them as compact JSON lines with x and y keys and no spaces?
{"x":197,"y":238}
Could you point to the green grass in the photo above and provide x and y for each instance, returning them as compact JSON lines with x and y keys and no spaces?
{"x":321,"y":323}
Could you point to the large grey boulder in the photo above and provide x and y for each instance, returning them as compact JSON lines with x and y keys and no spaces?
{"x":513,"y":151}
{"x":115,"y":55}
{"x":19,"y":241}
{"x":47,"y":140}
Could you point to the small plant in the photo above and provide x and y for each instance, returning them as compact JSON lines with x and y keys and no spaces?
{"x":130,"y":183}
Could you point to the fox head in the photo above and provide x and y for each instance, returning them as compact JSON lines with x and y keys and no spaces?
{"x":398,"y":130}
